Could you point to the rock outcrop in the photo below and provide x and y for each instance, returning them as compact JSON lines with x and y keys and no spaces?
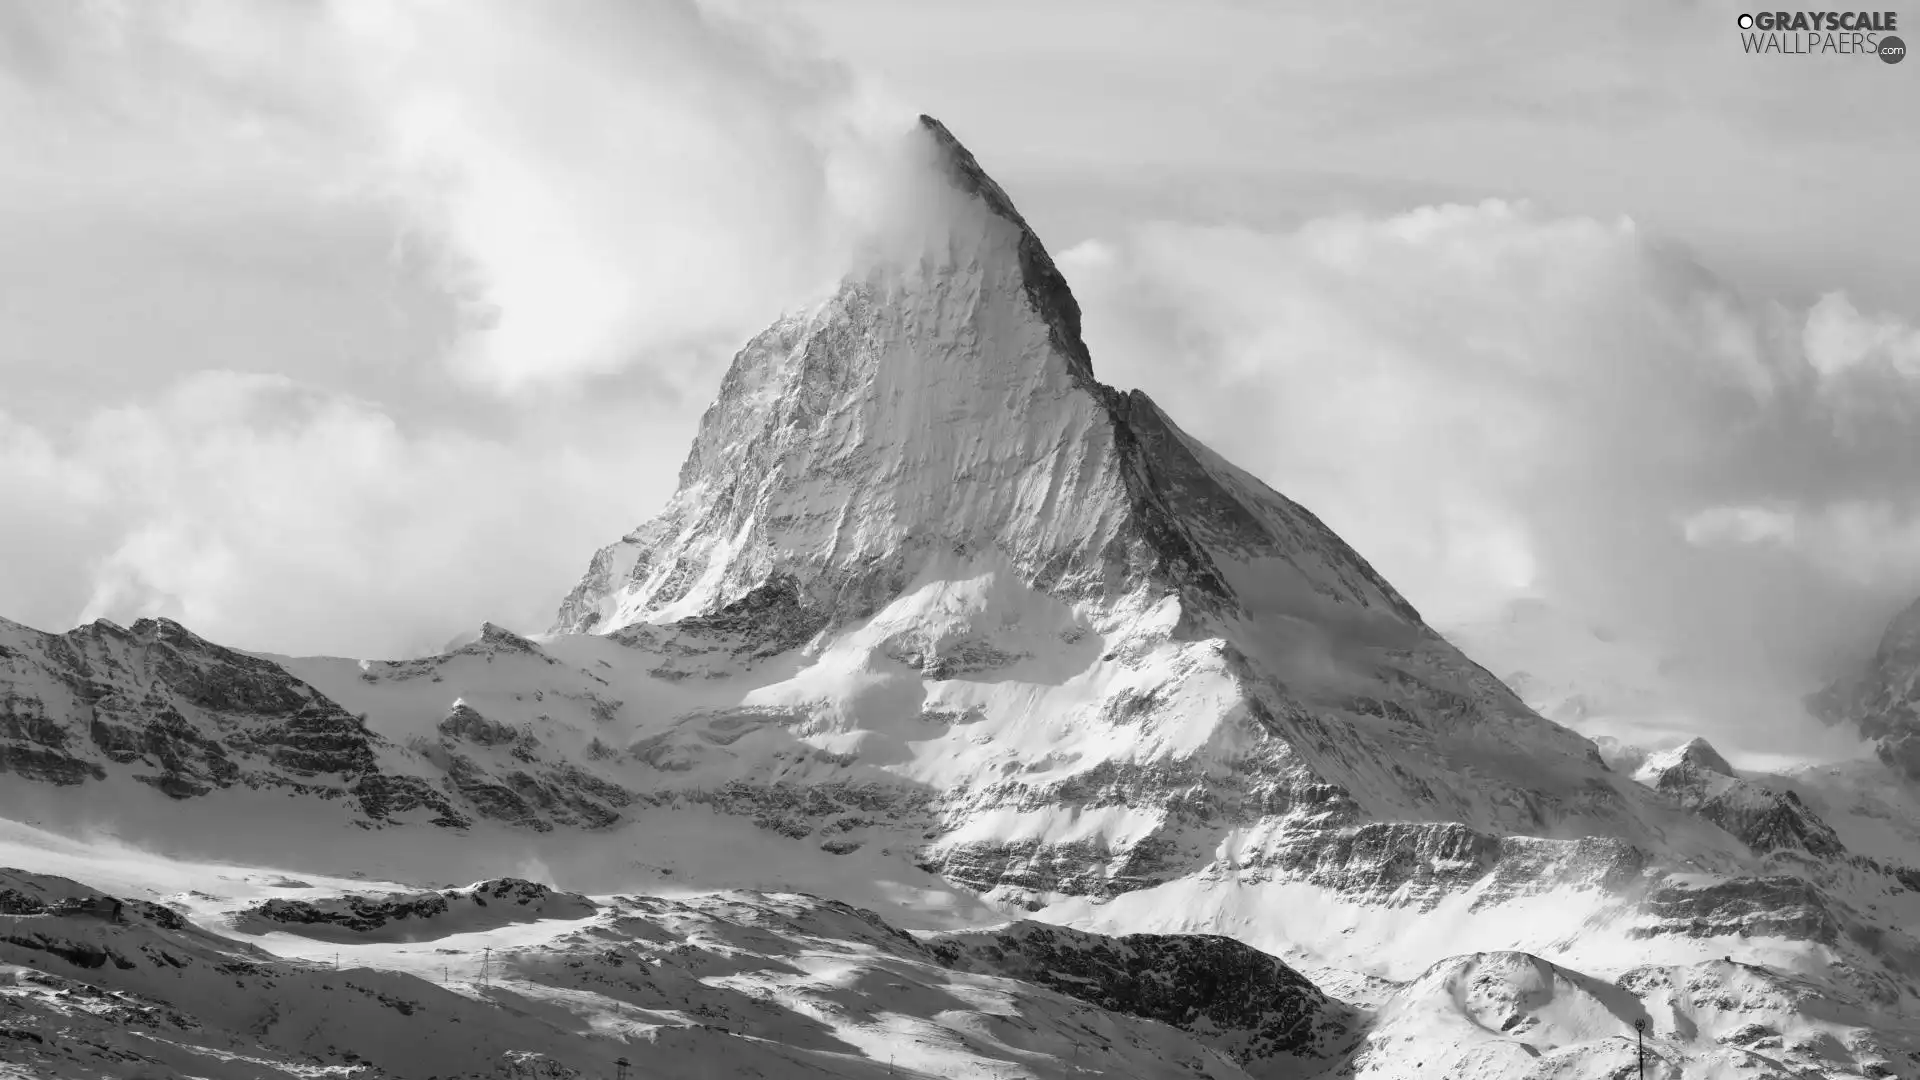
{"x":419,"y":916}
{"x":1766,"y":818}
{"x":166,"y":708}
{"x":1252,"y":1006}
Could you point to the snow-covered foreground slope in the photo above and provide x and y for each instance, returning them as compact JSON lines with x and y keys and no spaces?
{"x":939,"y":626}
{"x":202,"y":970}
{"x":261,"y":974}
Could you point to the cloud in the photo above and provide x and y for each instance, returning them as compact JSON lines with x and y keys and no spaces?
{"x":646,"y":177}
{"x":275,"y":516}
{"x":1840,"y":340}
{"x":344,"y":325}
{"x":1493,"y":401}
{"x":590,"y":185}
{"x":1870,"y":544}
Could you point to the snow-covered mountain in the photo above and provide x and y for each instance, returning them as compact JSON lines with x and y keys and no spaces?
{"x":939,"y":626}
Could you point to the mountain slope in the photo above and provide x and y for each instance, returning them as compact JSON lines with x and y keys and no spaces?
{"x":166,"y":987}
{"x":187,"y":717}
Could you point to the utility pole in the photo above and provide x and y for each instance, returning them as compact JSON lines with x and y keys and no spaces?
{"x":1640,"y":1046}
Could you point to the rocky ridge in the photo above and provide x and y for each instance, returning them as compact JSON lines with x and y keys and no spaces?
{"x":161,"y":706}
{"x":188,"y":717}
{"x":416,"y":915}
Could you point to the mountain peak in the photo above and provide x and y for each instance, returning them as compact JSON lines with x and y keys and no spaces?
{"x":1698,"y":753}
{"x":939,"y":415}
{"x":1046,"y":287}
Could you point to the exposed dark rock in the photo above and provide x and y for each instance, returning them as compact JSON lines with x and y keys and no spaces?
{"x":511,"y":890}
{"x":189,"y":718}
{"x":1764,"y":818}
{"x":316,"y":739}
{"x":362,"y":913}
{"x":535,"y":795}
{"x":419,"y":915}
{"x":770,"y":619}
{"x":1782,"y":906}
{"x":463,"y":721}
{"x":1775,"y":821}
{"x":1242,"y":1000}
{"x":1046,"y":288}
{"x":81,"y":954}
{"x":15,"y":902}
{"x":383,"y":796}
{"x":48,"y":766}
{"x":502,"y":639}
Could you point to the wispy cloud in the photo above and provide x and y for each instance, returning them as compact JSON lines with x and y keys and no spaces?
{"x":585,"y":184}
{"x":1494,"y":401}
{"x":341,"y":326}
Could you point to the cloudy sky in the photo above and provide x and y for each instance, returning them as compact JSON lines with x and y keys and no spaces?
{"x":341,"y":327}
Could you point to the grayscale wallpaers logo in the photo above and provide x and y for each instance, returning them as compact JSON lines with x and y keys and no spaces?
{"x":1823,"y":33}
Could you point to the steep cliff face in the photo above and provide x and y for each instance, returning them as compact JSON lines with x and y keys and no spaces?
{"x":162,"y":706}
{"x":1766,"y":817}
{"x":157,"y":705}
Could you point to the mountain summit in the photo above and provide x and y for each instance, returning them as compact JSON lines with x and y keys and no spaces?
{"x":945,"y":407}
